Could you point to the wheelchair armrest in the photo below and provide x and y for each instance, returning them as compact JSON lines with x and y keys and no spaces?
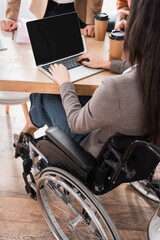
{"x":81,"y":157}
{"x":150,"y":146}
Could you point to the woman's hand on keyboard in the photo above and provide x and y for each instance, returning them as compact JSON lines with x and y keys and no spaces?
{"x":94,"y":61}
{"x":60,"y":73}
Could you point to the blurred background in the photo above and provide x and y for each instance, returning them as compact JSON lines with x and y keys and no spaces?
{"x":109,"y":7}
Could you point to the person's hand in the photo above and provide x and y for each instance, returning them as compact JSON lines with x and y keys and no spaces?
{"x":8,"y":25}
{"x":121,"y":22}
{"x":121,"y":25}
{"x":94,"y":61}
{"x":59,"y":73}
{"x":125,"y":12}
{"x":89,"y":31}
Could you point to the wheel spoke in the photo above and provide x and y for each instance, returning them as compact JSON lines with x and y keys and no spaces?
{"x":71,"y":210}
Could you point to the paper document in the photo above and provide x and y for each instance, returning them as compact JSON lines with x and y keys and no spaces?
{"x":22,"y":32}
{"x":2,"y":45}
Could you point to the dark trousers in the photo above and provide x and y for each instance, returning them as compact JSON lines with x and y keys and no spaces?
{"x":47,"y":109}
{"x":54,"y":8}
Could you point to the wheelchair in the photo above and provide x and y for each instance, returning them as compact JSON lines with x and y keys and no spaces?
{"x":149,"y":187}
{"x":67,"y":180}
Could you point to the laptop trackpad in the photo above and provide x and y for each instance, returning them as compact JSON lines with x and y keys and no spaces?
{"x":82,"y":72}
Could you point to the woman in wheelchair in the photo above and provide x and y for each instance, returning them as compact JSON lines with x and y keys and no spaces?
{"x":123,"y":104}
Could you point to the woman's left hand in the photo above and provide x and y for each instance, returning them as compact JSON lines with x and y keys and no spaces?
{"x":60,"y":73}
{"x":94,"y":61}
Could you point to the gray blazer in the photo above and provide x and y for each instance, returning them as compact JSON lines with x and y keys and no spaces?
{"x":115,"y":107}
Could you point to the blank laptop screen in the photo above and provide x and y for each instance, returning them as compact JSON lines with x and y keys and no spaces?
{"x":55,"y":37}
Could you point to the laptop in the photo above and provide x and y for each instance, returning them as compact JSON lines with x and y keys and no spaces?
{"x":58,"y":39}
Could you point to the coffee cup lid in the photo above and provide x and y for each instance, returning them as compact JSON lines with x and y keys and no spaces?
{"x":117,"y":35}
{"x":101,"y":16}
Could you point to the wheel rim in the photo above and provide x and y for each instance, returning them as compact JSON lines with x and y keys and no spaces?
{"x":63,"y":203}
{"x":141,"y":186}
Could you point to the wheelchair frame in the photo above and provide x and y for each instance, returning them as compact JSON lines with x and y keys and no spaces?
{"x":65,"y":171}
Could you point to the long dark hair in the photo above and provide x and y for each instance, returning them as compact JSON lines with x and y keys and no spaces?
{"x":142,"y":41}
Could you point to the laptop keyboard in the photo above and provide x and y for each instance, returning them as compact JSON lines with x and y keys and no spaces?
{"x":69,"y":63}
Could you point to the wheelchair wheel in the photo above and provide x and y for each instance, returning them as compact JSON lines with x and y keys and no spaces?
{"x":150,"y":187}
{"x":145,"y":187}
{"x":70,"y":209}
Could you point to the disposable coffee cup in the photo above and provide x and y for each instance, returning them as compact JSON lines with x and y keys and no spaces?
{"x":101,"y":23}
{"x":116,"y":41}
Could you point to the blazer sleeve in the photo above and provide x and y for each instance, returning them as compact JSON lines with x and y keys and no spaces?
{"x":101,"y":110}
{"x":119,"y":66}
{"x":93,"y":7}
{"x":122,"y":3}
{"x":12,"y":9}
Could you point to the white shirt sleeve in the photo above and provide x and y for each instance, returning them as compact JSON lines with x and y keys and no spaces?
{"x":63,"y":1}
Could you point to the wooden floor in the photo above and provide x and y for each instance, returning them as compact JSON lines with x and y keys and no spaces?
{"x":21,"y":218}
